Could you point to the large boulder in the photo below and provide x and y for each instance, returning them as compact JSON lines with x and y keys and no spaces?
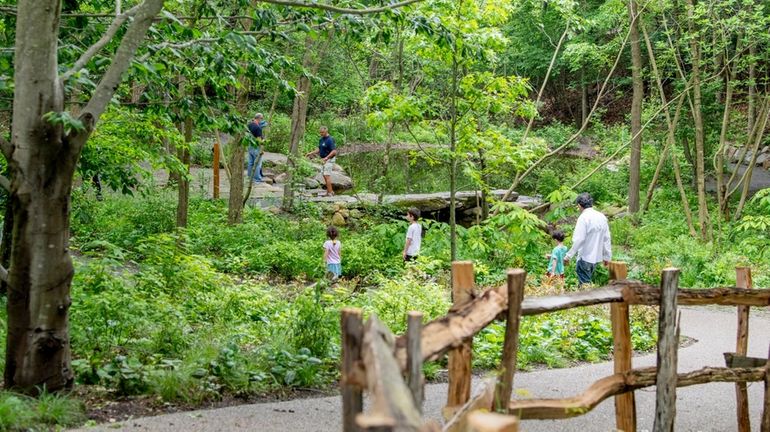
{"x":340,"y":181}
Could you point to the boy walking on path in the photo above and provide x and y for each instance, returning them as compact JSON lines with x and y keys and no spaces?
{"x":556,"y":258}
{"x":590,"y":241}
{"x":255,"y":153}
{"x":327,"y":150}
{"x":332,"y":255}
{"x":413,"y":235}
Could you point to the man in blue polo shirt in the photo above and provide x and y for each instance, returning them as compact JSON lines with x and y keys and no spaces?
{"x":327,"y":152}
{"x":255,"y":153}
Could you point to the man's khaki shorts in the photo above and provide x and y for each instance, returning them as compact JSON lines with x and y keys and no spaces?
{"x":328,"y":167}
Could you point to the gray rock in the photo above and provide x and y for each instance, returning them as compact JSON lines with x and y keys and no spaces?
{"x":762,"y":158}
{"x":281,"y":178}
{"x":340,"y":182}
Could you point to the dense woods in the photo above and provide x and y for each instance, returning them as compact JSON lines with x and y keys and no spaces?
{"x":658,"y":108}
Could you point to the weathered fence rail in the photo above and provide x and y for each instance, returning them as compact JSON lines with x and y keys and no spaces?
{"x":376,"y":361}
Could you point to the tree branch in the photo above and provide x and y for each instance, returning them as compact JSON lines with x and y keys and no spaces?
{"x":340,"y":10}
{"x":112,"y":30}
{"x":120,"y":61}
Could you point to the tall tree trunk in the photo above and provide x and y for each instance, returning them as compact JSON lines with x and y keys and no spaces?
{"x":235,"y":200}
{"x":752,"y":86}
{"x":298,"y":122}
{"x":719,"y":163}
{"x":42,"y":162}
{"x":583,"y":97}
{"x":700,"y":175}
{"x":183,"y":198}
{"x":385,"y":184}
{"x":636,"y":111}
{"x":453,"y":118}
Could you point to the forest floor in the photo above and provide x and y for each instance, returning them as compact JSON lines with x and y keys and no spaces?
{"x":709,"y":407}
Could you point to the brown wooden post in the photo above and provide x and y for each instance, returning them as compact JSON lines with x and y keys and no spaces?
{"x":765,"y":427}
{"x":742,"y":280}
{"x":352,"y":339}
{"x":668,"y":345}
{"x":480,"y":421}
{"x":414,"y":357}
{"x":459,"y":364}
{"x":504,"y":388}
{"x":216,"y":168}
{"x":625,"y":404}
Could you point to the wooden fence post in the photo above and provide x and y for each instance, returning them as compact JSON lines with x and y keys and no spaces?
{"x":668,"y":344}
{"x":479,"y":421}
{"x":625,"y":404}
{"x":765,"y":427}
{"x":459,"y":363}
{"x":352,"y":339}
{"x":504,"y":388}
{"x":742,"y":280}
{"x":216,"y":168}
{"x":414,"y":357}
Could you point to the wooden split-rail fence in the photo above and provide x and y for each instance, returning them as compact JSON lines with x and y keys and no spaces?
{"x":389,"y":367}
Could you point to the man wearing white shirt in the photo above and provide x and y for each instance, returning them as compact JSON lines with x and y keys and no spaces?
{"x":590,"y":241}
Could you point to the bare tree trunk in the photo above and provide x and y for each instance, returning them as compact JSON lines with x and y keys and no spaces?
{"x":719,"y":163}
{"x":183,"y":198}
{"x":750,"y":168}
{"x":752,"y":86}
{"x":636,"y":111}
{"x":385,"y":184}
{"x":453,"y":118}
{"x":42,"y":162}
{"x":235,"y":201}
{"x":700,"y":176}
{"x":298,"y":122}
{"x":583,"y":97}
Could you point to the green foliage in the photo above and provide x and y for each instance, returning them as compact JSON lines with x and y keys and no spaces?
{"x":128,"y":146}
{"x":19,"y":412}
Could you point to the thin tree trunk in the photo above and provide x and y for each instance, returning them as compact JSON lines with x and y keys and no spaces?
{"x":583,"y":96}
{"x":385,"y":185}
{"x":750,"y":169}
{"x":719,"y":163}
{"x":636,"y":111}
{"x":183,"y":201}
{"x":752,"y":86}
{"x":235,"y":201}
{"x":703,"y":215}
{"x":453,"y":162}
{"x":298,"y":122}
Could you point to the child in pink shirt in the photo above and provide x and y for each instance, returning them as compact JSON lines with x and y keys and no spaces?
{"x":332,"y":253}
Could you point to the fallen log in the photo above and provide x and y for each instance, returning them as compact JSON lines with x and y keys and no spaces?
{"x":543,"y":409}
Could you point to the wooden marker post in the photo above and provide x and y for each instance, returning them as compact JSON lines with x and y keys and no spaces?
{"x":625,"y":404}
{"x":216,"y":169}
{"x":504,"y":388}
{"x":742,"y":280}
{"x":668,"y":345}
{"x":414,"y":357}
{"x":459,"y":391}
{"x":352,"y":339}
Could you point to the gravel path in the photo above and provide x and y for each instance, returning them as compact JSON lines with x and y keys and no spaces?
{"x":709,"y":407}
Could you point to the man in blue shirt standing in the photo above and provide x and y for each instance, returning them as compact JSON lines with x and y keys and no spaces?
{"x":327,"y":152}
{"x":255,"y":153}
